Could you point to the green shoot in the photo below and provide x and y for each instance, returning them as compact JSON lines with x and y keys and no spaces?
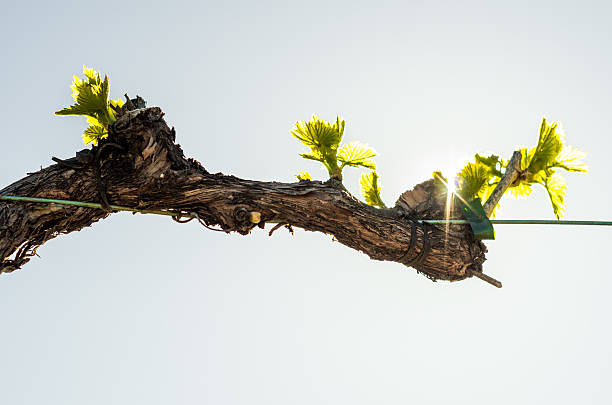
{"x":371,"y":190}
{"x":91,"y":100}
{"x":302,"y":176}
{"x":539,"y":165}
{"x":323,"y":139}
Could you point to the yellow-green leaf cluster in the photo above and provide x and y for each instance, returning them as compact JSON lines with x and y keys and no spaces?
{"x":478,"y":179}
{"x":303,"y":176}
{"x":539,"y":165}
{"x":91,"y":100}
{"x":323,"y":138}
{"x":371,"y":189}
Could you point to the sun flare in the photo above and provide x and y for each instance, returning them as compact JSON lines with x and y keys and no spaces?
{"x":451,"y":185}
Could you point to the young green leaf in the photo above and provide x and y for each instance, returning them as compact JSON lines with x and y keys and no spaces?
{"x":493,"y":164}
{"x":356,"y":154}
{"x":473,"y":179}
{"x":94,"y":133}
{"x":339,"y":127}
{"x":570,"y":159}
{"x":548,"y":148}
{"x":371,"y":190}
{"x":91,"y":100}
{"x":319,"y":134}
{"x":302,"y":176}
{"x":539,"y":164}
{"x":115,"y":106}
{"x":523,"y":189}
{"x":91,"y":96}
{"x":555,"y":186}
{"x":478,"y":179}
{"x":552,"y":151}
{"x":323,"y":139}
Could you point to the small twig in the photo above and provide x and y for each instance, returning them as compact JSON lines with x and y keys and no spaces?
{"x":29,"y":174}
{"x":128,"y":103}
{"x":204,"y":224}
{"x":276,"y":227}
{"x":512,"y":172}
{"x":488,"y":279}
{"x":179,"y":218}
{"x":68,"y":163}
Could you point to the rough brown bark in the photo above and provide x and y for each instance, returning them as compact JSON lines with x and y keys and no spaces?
{"x":151,"y":172}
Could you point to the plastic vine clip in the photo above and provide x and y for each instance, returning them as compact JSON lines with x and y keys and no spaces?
{"x":475,"y":214}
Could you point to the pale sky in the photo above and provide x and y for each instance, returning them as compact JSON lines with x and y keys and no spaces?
{"x":140,"y":309}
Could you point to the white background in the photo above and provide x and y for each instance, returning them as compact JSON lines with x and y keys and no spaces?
{"x":139,"y":309}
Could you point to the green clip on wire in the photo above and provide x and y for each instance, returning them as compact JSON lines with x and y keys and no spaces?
{"x":474,"y":213}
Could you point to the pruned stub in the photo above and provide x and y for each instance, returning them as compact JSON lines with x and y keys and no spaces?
{"x":439,"y":251}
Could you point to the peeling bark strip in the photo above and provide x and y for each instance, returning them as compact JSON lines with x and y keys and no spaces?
{"x":149,"y":171}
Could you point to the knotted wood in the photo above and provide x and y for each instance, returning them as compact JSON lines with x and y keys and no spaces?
{"x":150,"y":171}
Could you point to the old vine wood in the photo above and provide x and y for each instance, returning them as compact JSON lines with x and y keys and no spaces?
{"x":146,"y":169}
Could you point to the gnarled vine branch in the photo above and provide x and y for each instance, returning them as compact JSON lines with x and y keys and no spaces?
{"x":148,"y":170}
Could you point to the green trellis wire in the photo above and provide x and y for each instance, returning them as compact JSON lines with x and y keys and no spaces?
{"x":87,"y":205}
{"x":175,"y":214}
{"x":522,"y":221}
